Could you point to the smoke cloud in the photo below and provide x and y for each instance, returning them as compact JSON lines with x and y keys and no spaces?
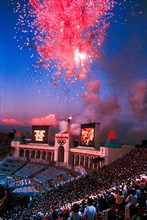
{"x":47,"y":120}
{"x":138,"y":100}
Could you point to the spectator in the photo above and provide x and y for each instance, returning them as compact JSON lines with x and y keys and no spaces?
{"x":75,"y":214}
{"x":119,"y":199}
{"x":132,"y":198}
{"x":138,"y":191}
{"x":54,"y":214}
{"x":90,"y":211}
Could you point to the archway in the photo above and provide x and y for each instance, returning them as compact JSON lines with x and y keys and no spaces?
{"x":38,"y":155}
{"x":27,"y":154}
{"x":21,"y":154}
{"x":44,"y":155}
{"x":33,"y":154}
{"x":48,"y":156}
{"x":61,"y":154}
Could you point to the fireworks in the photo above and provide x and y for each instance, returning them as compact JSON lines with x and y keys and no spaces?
{"x":66,"y":33}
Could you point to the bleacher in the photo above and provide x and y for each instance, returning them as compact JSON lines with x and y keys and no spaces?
{"x":30,"y":169}
{"x":15,"y":172}
{"x":48,"y":174}
{"x":10,"y":165}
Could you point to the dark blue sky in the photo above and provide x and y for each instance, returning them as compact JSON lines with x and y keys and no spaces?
{"x":116,"y":94}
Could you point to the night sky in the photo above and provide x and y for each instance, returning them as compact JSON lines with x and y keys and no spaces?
{"x":113,"y":93}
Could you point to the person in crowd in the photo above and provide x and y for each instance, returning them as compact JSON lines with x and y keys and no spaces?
{"x":54,"y":214}
{"x":132,"y":198}
{"x":138,"y":191}
{"x":90,"y":211}
{"x":126,"y":190}
{"x":75,"y":214}
{"x":119,"y":199}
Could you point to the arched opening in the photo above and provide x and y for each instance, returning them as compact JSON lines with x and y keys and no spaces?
{"x":77,"y":160}
{"x":72,"y":159}
{"x":33,"y":154}
{"x":82,"y":160}
{"x":61,"y":154}
{"x":27,"y":154}
{"x":21,"y":154}
{"x":38,"y":155}
{"x":44,"y":155}
{"x":49,"y":156}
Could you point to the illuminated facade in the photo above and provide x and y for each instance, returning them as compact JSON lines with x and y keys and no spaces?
{"x":88,"y":154}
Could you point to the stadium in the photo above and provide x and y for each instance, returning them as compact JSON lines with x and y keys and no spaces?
{"x":86,"y":59}
{"x":38,"y":179}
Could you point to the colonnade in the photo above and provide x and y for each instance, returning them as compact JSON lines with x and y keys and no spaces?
{"x":87,"y":161}
{"x":37,"y":154}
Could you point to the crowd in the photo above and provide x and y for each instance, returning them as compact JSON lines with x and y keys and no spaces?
{"x":111,"y":187}
{"x":5,"y":145}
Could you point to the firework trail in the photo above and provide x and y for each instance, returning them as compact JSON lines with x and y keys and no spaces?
{"x":66,"y":33}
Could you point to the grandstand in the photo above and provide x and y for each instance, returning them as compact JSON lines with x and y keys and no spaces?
{"x":10,"y":165}
{"x":18,"y":173}
{"x":72,"y":188}
{"x":50,"y":184}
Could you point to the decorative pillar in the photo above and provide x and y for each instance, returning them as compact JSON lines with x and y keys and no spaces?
{"x":89,"y":161}
{"x":30,"y":154}
{"x":79,"y":160}
{"x":102,"y":163}
{"x":46,"y":155}
{"x":52,"y":156}
{"x":74,"y":158}
{"x":24,"y":153}
{"x":84,"y":161}
{"x":41,"y":154}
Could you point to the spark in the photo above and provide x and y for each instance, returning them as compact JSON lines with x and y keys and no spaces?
{"x":66,"y":34}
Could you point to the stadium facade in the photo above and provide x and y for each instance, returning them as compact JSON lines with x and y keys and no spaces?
{"x":86,"y":153}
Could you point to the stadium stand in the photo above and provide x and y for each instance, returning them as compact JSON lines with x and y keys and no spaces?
{"x":126,"y":175}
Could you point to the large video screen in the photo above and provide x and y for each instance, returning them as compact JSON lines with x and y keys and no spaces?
{"x":87,"y":135}
{"x":40,"y":134}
